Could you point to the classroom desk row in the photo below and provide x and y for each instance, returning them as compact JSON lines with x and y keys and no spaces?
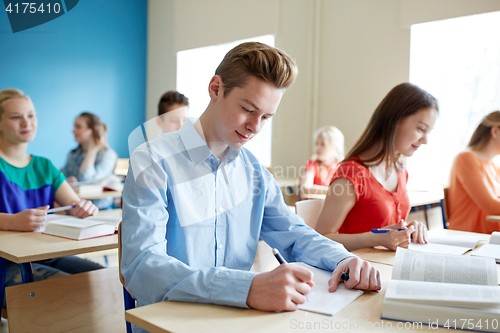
{"x":363,"y":314}
{"x":26,"y":247}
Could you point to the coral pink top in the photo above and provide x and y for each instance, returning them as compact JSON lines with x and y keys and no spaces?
{"x":321,"y":178}
{"x":473,"y":194}
{"x":375,"y":206}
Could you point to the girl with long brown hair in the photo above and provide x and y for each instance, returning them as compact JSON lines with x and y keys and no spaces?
{"x":368,"y":190}
{"x":474,"y":190}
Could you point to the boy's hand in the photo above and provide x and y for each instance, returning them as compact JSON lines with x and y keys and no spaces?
{"x":280,"y":289}
{"x":362,"y":275}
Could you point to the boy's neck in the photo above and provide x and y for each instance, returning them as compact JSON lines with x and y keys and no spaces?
{"x":205,"y":130}
{"x":14,"y":154}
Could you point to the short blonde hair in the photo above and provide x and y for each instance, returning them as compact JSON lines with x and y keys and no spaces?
{"x":256,"y":59}
{"x":8,"y":94}
{"x":482,"y":134}
{"x":333,"y":138}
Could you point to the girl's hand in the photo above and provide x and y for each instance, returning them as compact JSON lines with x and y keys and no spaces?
{"x":394,"y":239}
{"x":84,"y":209}
{"x":72,"y":179}
{"x":29,"y":219}
{"x":419,"y":236}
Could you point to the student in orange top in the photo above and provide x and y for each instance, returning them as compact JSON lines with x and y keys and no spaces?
{"x":368,"y":190}
{"x":329,"y":151}
{"x":474,"y":189}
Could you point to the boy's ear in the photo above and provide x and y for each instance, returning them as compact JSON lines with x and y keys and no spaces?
{"x":215,"y":88}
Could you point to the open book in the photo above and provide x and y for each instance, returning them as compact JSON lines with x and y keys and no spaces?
{"x":75,"y":228}
{"x":448,"y":244}
{"x":443,"y":290}
{"x":320,"y":300}
{"x":490,"y":250}
{"x":97,"y":186}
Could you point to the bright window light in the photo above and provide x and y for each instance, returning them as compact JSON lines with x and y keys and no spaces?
{"x":458,"y":61}
{"x":196,"y":67}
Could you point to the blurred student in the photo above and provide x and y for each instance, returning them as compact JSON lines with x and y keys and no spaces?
{"x":368,"y":190}
{"x":30,"y":184}
{"x":192,"y":219}
{"x":318,"y":171}
{"x":474,"y":190}
{"x":93,"y":159}
{"x":173,"y":110}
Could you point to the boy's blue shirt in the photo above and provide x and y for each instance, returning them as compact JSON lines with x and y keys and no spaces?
{"x":191,"y":224}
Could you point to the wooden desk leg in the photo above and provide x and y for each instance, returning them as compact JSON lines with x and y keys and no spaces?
{"x":26,"y":272}
{"x":3,"y":274}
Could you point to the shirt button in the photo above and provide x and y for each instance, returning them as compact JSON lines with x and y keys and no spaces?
{"x":220,"y":246}
{"x":221,"y":209}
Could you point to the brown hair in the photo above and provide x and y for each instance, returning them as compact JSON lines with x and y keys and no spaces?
{"x":99,"y":129}
{"x":8,"y":94}
{"x":401,"y":102}
{"x":170,"y":98}
{"x":259,"y":60}
{"x":482,"y":134}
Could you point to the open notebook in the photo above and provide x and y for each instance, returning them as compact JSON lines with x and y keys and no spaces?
{"x":320,"y":300}
{"x":75,"y":228}
{"x":449,"y":244}
{"x":492,"y":249}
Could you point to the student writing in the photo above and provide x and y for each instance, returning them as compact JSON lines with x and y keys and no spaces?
{"x":193,"y":217}
{"x":368,"y":190}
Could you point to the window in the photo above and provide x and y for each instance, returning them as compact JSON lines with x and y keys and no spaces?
{"x":458,"y":61}
{"x":196,"y":67}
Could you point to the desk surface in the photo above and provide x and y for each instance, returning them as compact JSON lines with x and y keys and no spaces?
{"x":384,"y":256}
{"x":104,"y":194}
{"x":22,"y":247}
{"x":182,"y":317}
{"x":365,"y":311}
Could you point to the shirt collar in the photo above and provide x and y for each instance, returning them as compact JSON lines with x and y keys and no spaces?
{"x":196,"y":147}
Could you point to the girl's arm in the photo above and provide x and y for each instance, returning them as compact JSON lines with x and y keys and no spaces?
{"x":65,"y":196}
{"x":27,"y":220}
{"x":334,"y":212}
{"x":90,"y":156}
{"x":90,"y":171}
{"x":307,"y":185}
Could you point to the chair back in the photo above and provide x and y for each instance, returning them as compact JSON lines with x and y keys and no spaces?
{"x":122,"y":280}
{"x":445,"y":208}
{"x":309,"y":210}
{"x":128,"y":300}
{"x":121,"y":167}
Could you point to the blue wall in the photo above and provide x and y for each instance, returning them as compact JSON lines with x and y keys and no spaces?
{"x":91,"y":58}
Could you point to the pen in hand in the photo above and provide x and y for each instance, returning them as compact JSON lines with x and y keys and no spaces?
{"x":60,"y":209}
{"x":278,"y":256}
{"x":383,"y":231}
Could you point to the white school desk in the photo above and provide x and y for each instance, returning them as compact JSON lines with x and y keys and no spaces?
{"x":182,"y":317}
{"x":384,"y":256}
{"x":104,"y":194}
{"x":24,"y":247}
